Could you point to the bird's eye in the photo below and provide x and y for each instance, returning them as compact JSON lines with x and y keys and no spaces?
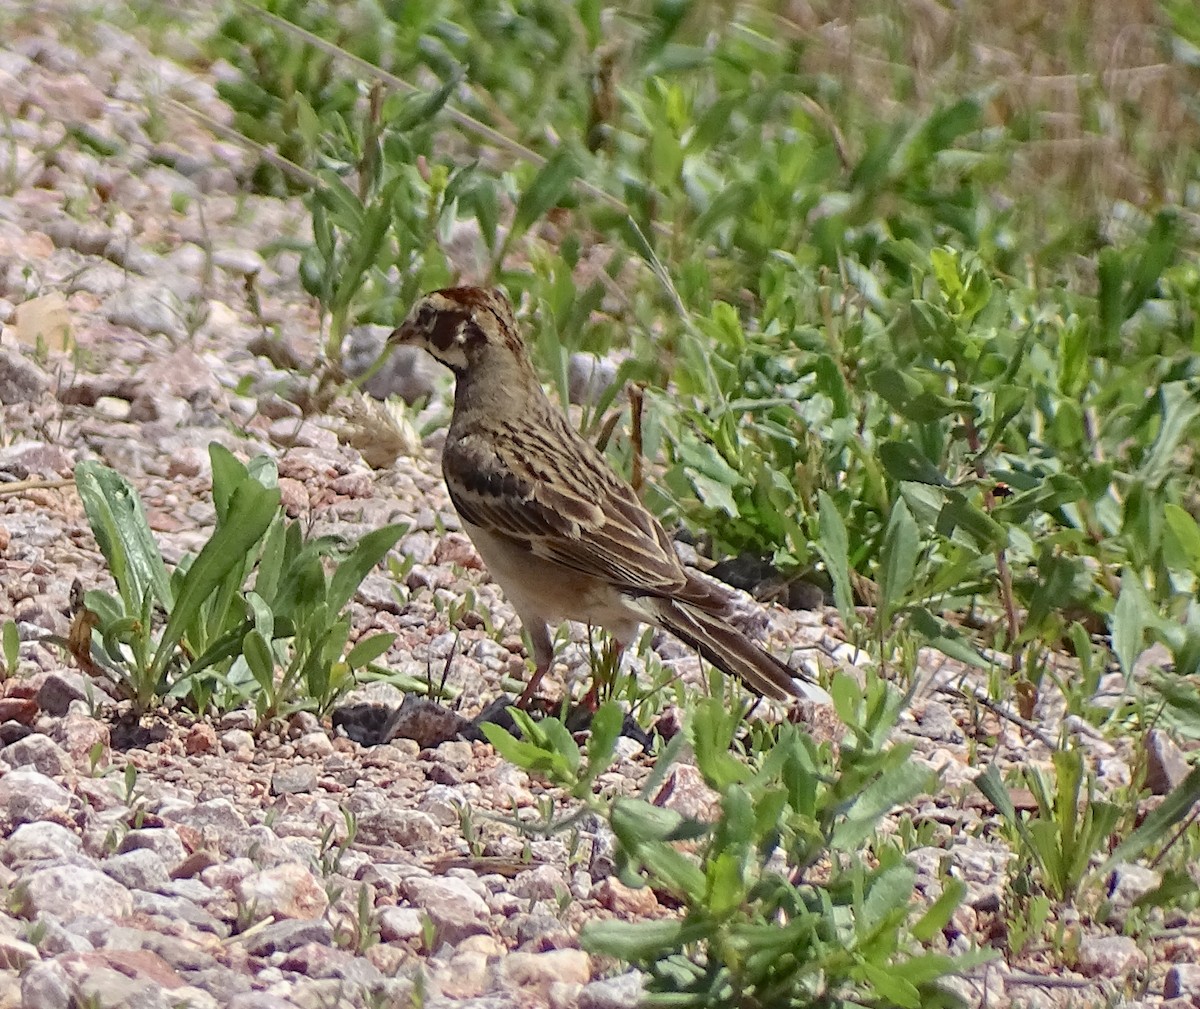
{"x":425,"y":316}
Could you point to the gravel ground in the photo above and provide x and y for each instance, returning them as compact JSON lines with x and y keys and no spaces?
{"x":198,"y":864}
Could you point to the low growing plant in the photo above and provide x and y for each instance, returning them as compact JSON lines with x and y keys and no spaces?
{"x":200,"y":632}
{"x":761,"y":926}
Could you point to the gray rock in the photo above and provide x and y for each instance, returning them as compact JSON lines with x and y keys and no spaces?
{"x":60,"y":688}
{"x":544,"y":882}
{"x":21,"y":381}
{"x":407,"y":372}
{"x":108,"y":988}
{"x":285,"y":891}
{"x":589,"y":377}
{"x":537,"y":931}
{"x":314,"y":745}
{"x":443,"y":803}
{"x":69,"y":891}
{"x":284,"y":936}
{"x":259,"y":1000}
{"x":16,"y":954}
{"x":140,"y":869}
{"x":39,"y":752}
{"x":37,"y":458}
{"x":47,"y":986}
{"x":28,"y":795}
{"x":455,"y":910}
{"x":406,"y":828}
{"x":39,"y":842}
{"x":294,"y":780}
{"x":57,"y":939}
{"x":1110,"y":956}
{"x":218,"y":814}
{"x":223,"y":983}
{"x":1166,"y":765}
{"x":399,"y":923}
{"x":319,"y":959}
{"x":148,"y":307}
{"x":1183,"y":979}
{"x":1130,"y":882}
{"x":246,"y":262}
{"x":621,"y":992}
{"x":237,"y":739}
{"x":163,"y":841}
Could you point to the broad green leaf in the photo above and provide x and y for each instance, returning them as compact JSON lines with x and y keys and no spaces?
{"x":12,"y":647}
{"x":881,"y":796}
{"x":904,"y":461}
{"x":251,"y":510}
{"x":895,"y":990}
{"x":937,"y":915}
{"x":227,"y":474}
{"x":119,"y":524}
{"x":367,"y":552}
{"x":834,"y":547}
{"x":260,"y":660}
{"x":1182,"y":798}
{"x":1182,"y":544}
{"x":550,"y":184}
{"x":369,"y":649}
{"x":634,"y":941}
{"x":1179,"y":408}
{"x":958,"y":513}
{"x":606,"y":729}
{"x":901,"y":547}
{"x":1129,"y":621}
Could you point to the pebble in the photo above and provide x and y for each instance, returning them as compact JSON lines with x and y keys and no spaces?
{"x":454,"y":908}
{"x":286,"y":891}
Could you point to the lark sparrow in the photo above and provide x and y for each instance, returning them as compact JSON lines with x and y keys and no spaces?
{"x":563,"y":534}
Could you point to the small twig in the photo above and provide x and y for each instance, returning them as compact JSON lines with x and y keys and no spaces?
{"x":1188,"y":821}
{"x":998,"y":709}
{"x":636,"y":399}
{"x":22,"y":486}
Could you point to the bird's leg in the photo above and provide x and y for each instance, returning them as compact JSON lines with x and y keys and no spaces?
{"x":543,"y":655}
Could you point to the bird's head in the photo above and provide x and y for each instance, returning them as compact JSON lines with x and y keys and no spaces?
{"x":459,"y":325}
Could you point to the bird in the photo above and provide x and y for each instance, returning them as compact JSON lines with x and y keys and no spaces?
{"x":562,"y":533}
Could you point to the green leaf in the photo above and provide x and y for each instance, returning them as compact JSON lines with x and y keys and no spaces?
{"x":366,"y":553}
{"x":901,"y":547}
{"x":1158,"y":822}
{"x":119,"y":524}
{"x":606,"y":729}
{"x":636,"y":822}
{"x":251,"y":510}
{"x":895,"y":990}
{"x":1131,"y":616}
{"x":1181,"y":547}
{"x":227,"y":474}
{"x":834,"y":547}
{"x":12,"y":647}
{"x":547,"y":188}
{"x":1179,"y":407}
{"x":904,"y":461}
{"x":958,"y":513}
{"x":633,"y":941}
{"x":261,"y":661}
{"x":896,"y":786}
{"x":937,"y":915}
{"x":369,"y":649}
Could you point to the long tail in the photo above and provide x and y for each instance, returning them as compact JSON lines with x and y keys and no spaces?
{"x":735,"y":654}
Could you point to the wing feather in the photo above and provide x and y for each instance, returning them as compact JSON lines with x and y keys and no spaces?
{"x":544,"y":488}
